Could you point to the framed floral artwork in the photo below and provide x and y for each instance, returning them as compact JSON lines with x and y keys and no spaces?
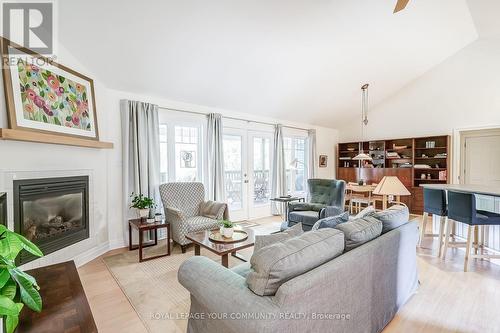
{"x":45,"y":96}
{"x":323,"y":161}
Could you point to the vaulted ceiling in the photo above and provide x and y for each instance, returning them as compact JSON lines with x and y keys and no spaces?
{"x":300,"y":60}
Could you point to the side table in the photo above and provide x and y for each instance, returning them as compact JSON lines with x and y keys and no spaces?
{"x":141,"y":227}
{"x":285,"y":201}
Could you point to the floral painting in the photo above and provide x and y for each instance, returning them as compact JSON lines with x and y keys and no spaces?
{"x":53,"y":99}
{"x":47,"y":97}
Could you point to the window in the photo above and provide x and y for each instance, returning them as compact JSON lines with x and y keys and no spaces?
{"x":180,"y":151}
{"x":296,"y":164}
{"x":186,"y":154}
{"x":261,"y":170}
{"x":233,"y":170}
{"x":163,"y":154}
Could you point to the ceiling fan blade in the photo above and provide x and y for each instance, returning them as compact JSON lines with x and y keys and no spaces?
{"x":400,"y":5}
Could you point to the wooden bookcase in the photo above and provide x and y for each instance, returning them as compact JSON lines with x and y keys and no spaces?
{"x":410,"y":159}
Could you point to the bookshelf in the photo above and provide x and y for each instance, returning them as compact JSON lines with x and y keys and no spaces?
{"x":415,"y":161}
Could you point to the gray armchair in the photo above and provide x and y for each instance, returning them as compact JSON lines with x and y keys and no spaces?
{"x":327,"y":198}
{"x":183,"y":204}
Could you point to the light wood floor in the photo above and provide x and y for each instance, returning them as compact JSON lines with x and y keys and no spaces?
{"x":448,"y":299}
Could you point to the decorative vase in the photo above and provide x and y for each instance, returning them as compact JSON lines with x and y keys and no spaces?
{"x":143,"y":213}
{"x":228,"y":232}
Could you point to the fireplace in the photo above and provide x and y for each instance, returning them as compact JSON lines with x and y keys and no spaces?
{"x":51,"y":212}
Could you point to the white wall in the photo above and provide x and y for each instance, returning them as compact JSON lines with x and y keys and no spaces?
{"x":461,"y":92}
{"x":107,"y":223}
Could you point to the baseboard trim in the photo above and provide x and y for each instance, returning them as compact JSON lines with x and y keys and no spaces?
{"x":91,"y":254}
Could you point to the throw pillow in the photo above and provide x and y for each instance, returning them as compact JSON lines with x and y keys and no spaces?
{"x":360,"y":231}
{"x":393,"y":217}
{"x":369,"y":210}
{"x":265,"y":240}
{"x":331,"y":221}
{"x":277,"y":263}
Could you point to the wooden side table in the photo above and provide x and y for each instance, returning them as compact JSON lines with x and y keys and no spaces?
{"x":141,"y":227}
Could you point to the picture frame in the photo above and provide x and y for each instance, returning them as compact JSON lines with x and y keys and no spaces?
{"x":323,"y":161}
{"x":46,"y":97}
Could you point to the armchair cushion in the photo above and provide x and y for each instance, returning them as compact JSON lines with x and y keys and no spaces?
{"x":200,"y":223}
{"x":214,"y":210}
{"x":307,"y":218}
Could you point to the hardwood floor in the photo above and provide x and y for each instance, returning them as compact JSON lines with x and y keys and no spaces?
{"x":448,"y":299}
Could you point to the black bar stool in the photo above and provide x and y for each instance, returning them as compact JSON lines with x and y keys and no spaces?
{"x":462,"y":208}
{"x":435,"y":204}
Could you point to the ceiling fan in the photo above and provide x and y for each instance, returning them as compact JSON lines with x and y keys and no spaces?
{"x":400,"y":5}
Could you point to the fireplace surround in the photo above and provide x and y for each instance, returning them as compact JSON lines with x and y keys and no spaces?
{"x":51,"y":212}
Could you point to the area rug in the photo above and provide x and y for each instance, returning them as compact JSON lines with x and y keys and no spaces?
{"x":152,"y":288}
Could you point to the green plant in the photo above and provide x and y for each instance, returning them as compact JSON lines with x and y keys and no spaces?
{"x":16,"y":287}
{"x":226,"y":224}
{"x":140,"y":201}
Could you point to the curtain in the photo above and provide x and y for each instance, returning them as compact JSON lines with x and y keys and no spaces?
{"x":215,"y":169}
{"x":278,"y":180}
{"x":312,"y":158}
{"x":141,"y":153}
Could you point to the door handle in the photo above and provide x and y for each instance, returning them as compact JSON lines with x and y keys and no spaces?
{"x":246,"y":181}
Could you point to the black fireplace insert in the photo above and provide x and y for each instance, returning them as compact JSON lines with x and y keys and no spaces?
{"x":53,"y":213}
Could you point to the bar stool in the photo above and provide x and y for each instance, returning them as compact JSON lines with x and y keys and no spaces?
{"x":435,"y":204}
{"x":462,"y":208}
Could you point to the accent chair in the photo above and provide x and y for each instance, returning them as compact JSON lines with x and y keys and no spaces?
{"x":326,"y":198}
{"x":182,"y":203}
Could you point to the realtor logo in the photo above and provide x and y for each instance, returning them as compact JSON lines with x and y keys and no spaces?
{"x":29,"y":24}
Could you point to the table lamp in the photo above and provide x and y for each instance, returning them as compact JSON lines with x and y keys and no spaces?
{"x":391,"y":185}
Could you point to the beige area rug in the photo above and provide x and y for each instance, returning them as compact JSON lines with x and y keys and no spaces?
{"x":152,"y":287}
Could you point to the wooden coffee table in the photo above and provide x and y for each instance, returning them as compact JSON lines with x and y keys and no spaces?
{"x":200,"y":239}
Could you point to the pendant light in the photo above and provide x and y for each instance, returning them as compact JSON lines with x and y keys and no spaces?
{"x":364,"y":121}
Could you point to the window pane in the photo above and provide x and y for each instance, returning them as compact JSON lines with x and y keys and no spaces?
{"x":261,"y":186}
{"x":186,"y":153}
{"x":296,"y":165}
{"x":232,"y":171}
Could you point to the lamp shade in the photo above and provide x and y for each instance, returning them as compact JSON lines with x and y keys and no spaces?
{"x":362,"y":156}
{"x":391,"y":185}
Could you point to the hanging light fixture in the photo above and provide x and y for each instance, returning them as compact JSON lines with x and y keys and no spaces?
{"x":364,"y":121}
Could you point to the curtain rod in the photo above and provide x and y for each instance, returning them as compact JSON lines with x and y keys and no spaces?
{"x":232,"y":118}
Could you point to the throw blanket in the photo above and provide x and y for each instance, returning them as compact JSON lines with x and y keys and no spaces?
{"x":214,"y":210}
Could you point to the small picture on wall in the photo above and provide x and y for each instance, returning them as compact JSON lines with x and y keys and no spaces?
{"x":45,"y":96}
{"x":323,"y":161}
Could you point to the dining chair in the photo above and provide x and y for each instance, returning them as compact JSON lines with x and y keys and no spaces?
{"x":462,"y":208}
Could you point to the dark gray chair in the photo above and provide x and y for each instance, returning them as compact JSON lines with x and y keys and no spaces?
{"x":326,"y":198}
{"x":462,"y":208}
{"x":435,"y":204}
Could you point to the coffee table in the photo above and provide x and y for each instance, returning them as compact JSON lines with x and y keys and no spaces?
{"x":201,"y":239}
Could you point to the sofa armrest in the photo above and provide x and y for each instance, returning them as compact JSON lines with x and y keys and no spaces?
{"x":222,"y":291}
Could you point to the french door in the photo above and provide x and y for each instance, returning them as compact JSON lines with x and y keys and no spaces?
{"x":247,"y":173}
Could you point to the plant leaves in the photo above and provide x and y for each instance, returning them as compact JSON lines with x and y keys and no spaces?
{"x":45,"y":120}
{"x":8,"y":307}
{"x":9,"y":289}
{"x":56,"y":121}
{"x":9,"y":245}
{"x":4,"y":276}
{"x":12,"y":321}
{"x":29,"y":246}
{"x":29,"y":295}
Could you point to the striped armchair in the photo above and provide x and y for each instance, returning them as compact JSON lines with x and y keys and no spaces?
{"x":182,"y":203}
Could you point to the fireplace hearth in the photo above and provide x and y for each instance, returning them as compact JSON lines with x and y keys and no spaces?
{"x":51,"y":212}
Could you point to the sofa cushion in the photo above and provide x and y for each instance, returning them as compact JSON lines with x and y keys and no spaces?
{"x":305,"y":217}
{"x":275,"y":264}
{"x":393,"y":217}
{"x":331,"y":221}
{"x":367,"y":211}
{"x":360,"y":231}
{"x":265,"y":240}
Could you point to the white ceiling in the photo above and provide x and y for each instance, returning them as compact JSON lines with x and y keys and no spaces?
{"x":299,"y":60}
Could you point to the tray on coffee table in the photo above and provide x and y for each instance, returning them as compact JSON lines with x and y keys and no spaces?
{"x":238,"y":236}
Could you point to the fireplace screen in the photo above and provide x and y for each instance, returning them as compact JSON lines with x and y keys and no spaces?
{"x":52,"y":213}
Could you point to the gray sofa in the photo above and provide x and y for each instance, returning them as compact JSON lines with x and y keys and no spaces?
{"x":326,"y":198}
{"x":359,"y":291}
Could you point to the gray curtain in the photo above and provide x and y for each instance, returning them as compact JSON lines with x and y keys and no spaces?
{"x":215,"y":169}
{"x":141,"y":152}
{"x":278,"y":181}
{"x":312,"y":158}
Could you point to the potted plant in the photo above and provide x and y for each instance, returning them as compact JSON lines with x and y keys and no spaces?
{"x":143,"y":204}
{"x":16,"y":287}
{"x":226,"y":228}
